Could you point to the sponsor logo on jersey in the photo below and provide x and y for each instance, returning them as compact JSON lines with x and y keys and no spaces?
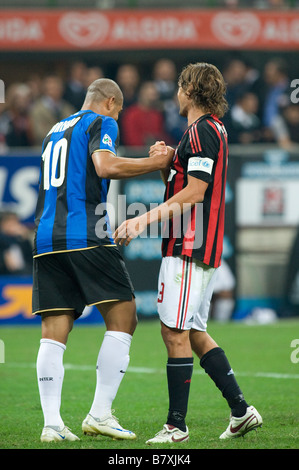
{"x":200,"y":164}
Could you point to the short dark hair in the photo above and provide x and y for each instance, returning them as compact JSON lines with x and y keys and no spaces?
{"x":206,"y":87}
{"x":103,"y":88}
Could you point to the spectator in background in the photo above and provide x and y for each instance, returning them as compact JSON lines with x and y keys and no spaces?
{"x":271,"y":4}
{"x":92,"y":74}
{"x":15,"y":128}
{"x":244,"y":125}
{"x":231,"y":3}
{"x":175,"y":124}
{"x":277,"y":83}
{"x":165,"y":78}
{"x":49,"y":109}
{"x":75,"y":88}
{"x":15,"y":246}
{"x":285,"y":125}
{"x":235,"y":74}
{"x":143,"y":123}
{"x":128,"y":79}
{"x":35,"y":83}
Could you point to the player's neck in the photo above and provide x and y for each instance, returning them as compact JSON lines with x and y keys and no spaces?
{"x":88,"y":106}
{"x":194,"y":114}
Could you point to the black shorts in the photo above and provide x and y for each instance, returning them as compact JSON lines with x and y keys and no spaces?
{"x":74,"y":279}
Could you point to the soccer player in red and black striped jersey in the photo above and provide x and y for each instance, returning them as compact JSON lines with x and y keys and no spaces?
{"x":193,"y":226}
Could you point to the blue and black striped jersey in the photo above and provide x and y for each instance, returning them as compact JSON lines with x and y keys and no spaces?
{"x":70,"y":189}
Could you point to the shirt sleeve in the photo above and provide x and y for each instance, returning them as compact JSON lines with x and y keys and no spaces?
{"x":103,"y":135}
{"x":201,"y":151}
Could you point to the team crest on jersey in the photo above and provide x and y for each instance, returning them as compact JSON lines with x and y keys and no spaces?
{"x":107,"y":140}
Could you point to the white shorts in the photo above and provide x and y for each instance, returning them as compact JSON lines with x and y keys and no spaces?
{"x":185,"y":289}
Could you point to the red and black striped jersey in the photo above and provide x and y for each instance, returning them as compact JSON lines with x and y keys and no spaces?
{"x":201,"y":153}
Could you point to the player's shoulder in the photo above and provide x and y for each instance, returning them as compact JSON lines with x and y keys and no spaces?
{"x":89,"y":117}
{"x":102,"y":120}
{"x":94,"y":123}
{"x":210,"y":127}
{"x":109,"y":121}
{"x":208,"y":122}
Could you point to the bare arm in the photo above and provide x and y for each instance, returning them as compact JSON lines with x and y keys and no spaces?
{"x":185,"y":199}
{"x":107,"y":165}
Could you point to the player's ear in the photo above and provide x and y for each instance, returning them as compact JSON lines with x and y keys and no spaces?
{"x":188,"y":92}
{"x":110,"y":103}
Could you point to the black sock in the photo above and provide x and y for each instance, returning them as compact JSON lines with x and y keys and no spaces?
{"x":179,"y":373}
{"x":216,"y":365}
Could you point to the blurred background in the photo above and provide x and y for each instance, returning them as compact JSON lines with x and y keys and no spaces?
{"x":51,"y":50}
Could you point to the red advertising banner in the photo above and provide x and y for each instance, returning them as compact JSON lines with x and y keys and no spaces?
{"x":63,"y":30}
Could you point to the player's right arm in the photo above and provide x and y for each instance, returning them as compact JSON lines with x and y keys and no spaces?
{"x":103,"y":137}
{"x":110,"y":166}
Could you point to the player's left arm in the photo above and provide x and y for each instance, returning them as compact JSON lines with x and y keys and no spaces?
{"x":184,"y":200}
{"x":201,"y":151}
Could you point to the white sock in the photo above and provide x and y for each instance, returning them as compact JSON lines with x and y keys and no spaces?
{"x":50,"y":373}
{"x":112,"y":363}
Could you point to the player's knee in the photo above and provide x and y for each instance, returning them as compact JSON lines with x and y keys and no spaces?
{"x":201,"y":342}
{"x":57,"y":327}
{"x":174,"y":339}
{"x":127,"y":320}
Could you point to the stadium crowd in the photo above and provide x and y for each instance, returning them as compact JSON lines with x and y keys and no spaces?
{"x":108,"y":4}
{"x":260,"y":109}
{"x":259,"y":4}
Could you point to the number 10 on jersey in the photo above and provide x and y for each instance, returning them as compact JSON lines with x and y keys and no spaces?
{"x":58,"y":153}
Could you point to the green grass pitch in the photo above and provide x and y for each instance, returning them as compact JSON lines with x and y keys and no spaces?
{"x":260,"y":356}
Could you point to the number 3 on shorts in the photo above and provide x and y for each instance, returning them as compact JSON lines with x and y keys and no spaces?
{"x":161,"y":293}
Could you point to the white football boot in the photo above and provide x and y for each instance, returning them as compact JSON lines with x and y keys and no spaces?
{"x":240,"y":426}
{"x":107,"y":426}
{"x":169,"y":434}
{"x":52,"y":434}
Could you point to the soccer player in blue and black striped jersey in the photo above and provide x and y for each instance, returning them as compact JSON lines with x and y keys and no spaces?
{"x":74,"y":264}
